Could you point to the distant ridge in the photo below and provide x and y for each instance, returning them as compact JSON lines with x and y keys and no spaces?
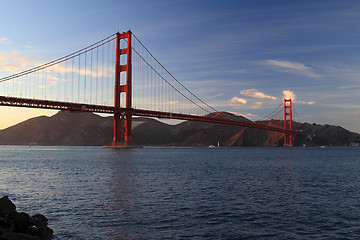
{"x":88,"y":129}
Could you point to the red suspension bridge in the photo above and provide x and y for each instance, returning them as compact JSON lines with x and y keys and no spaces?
{"x":84,"y":81}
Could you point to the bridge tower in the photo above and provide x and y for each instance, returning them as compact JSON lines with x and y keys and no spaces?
{"x":123,"y":119}
{"x":288,"y":138}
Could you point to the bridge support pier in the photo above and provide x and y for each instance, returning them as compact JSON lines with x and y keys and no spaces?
{"x":122,"y":129}
{"x":288,"y":137}
{"x":123,"y":119}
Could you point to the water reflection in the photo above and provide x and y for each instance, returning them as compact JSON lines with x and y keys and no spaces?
{"x":122,"y":192}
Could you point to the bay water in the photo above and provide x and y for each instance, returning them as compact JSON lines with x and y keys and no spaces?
{"x":187,"y":193}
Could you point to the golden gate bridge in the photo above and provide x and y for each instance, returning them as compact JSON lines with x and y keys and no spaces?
{"x":119,"y":75}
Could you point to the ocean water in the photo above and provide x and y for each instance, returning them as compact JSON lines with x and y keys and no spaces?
{"x":187,"y":193}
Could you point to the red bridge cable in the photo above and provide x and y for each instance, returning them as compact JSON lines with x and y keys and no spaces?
{"x":271,"y":114}
{"x":172,"y":85}
{"x":60,"y":60}
{"x":173,"y":76}
{"x":297,"y":116}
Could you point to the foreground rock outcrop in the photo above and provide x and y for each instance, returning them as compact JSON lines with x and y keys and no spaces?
{"x":20,"y":226}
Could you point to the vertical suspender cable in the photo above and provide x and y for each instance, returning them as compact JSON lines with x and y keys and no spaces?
{"x":72,"y":81}
{"x":79,"y":81}
{"x":85,"y":81}
{"x":91,"y":73}
{"x":97,"y":75}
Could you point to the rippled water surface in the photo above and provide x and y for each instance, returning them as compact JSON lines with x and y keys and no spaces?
{"x":187,"y":193}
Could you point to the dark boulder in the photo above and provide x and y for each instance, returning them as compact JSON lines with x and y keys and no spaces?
{"x":21,"y":221}
{"x":39,"y":220}
{"x":20,"y":226}
{"x":18,"y":236}
{"x":43,"y":233}
{"x":6,"y":206}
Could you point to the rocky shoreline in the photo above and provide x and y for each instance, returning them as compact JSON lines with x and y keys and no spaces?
{"x":21,"y":226}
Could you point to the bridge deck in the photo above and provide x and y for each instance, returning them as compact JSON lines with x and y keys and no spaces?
{"x":56,"y":105}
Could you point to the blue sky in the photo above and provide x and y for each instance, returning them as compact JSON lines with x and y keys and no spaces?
{"x":239,"y":56}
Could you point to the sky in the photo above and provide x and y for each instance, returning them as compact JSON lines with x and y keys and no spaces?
{"x":240,"y":56}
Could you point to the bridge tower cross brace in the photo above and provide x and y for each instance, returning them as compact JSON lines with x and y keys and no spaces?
{"x":123,"y":119}
{"x":288,"y":138}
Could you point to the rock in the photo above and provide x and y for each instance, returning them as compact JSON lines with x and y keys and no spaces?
{"x":6,"y":206}
{"x":21,"y":221}
{"x":3,"y":230}
{"x":5,"y":226}
{"x":20,"y":226}
{"x":19,"y":236}
{"x":34,"y":231}
{"x":44,"y":233}
{"x":39,"y":220}
{"x":4,"y":222}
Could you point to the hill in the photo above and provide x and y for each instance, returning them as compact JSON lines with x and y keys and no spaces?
{"x":88,"y":129}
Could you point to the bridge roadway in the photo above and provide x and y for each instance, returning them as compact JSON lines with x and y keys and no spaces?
{"x":56,"y":105}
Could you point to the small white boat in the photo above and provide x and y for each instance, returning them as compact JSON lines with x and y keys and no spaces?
{"x":212,"y":146}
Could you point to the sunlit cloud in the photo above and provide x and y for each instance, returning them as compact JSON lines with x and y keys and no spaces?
{"x":307,"y":103}
{"x":41,"y":112}
{"x":13,"y":62}
{"x":173,"y":102}
{"x":102,"y":71}
{"x":291,"y":67}
{"x":4,"y":41}
{"x":257,"y":105}
{"x":287,"y":94}
{"x":256,"y":94}
{"x":291,"y":95}
{"x":55,"y":79}
{"x":238,"y":100}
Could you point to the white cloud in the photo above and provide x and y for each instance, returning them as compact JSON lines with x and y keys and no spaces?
{"x":308,"y":103}
{"x":287,"y":64}
{"x":4,"y":41}
{"x":256,"y":94}
{"x":291,"y":67}
{"x":28,"y":45}
{"x":217,"y":95}
{"x":247,"y":115}
{"x":238,"y":100}
{"x":348,"y":87}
